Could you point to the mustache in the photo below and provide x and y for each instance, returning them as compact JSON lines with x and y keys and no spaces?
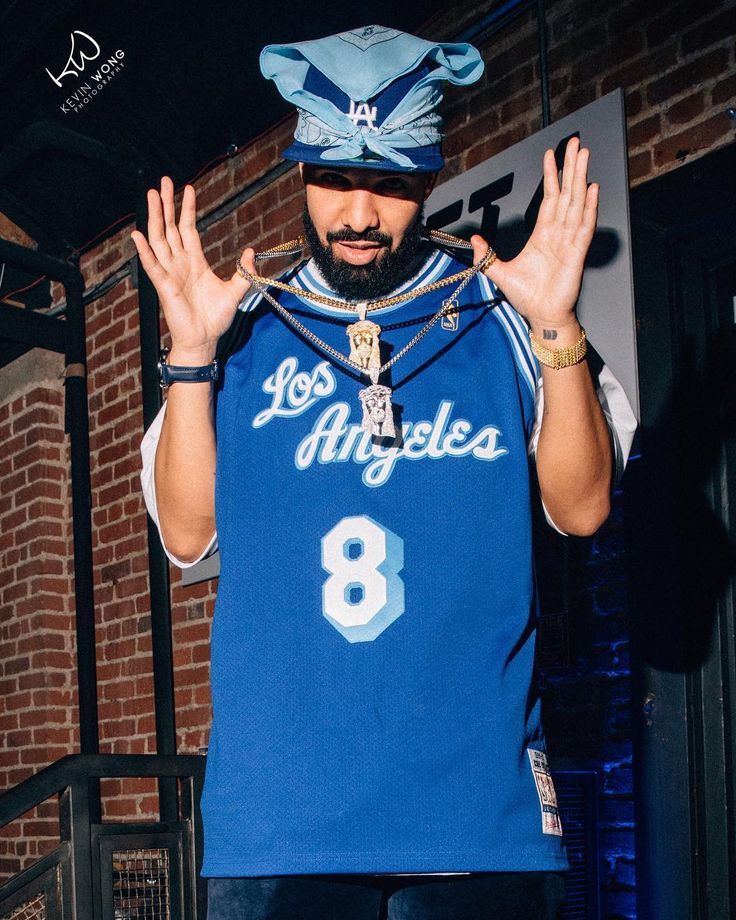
{"x":348,"y":235}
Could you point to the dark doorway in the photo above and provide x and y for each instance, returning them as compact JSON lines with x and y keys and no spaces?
{"x":681,"y":528}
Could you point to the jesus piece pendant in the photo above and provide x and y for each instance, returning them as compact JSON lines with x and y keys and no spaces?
{"x":364,"y":344}
{"x":378,"y":413}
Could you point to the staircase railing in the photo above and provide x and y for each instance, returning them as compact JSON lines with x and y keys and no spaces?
{"x":109,"y":870}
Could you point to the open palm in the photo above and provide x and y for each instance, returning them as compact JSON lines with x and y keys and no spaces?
{"x":543,"y":281}
{"x":198,"y":306}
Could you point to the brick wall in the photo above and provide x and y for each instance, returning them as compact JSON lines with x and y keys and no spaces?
{"x":38,"y":705}
{"x":675,"y":61}
{"x":676,"y":66}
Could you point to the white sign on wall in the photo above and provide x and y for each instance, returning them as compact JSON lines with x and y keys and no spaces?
{"x":500,"y":198}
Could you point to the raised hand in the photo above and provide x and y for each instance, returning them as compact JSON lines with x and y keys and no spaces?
{"x":543,"y":281}
{"x":199,"y":307}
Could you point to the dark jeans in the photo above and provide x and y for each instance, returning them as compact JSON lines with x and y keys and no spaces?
{"x":480,"y":896}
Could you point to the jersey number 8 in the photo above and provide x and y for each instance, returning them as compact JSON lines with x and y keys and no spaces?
{"x":363,"y":594}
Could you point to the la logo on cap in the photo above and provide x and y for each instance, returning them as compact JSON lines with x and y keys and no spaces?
{"x":362,"y":112}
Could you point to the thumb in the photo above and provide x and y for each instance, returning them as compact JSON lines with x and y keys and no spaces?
{"x":240,"y":284}
{"x":480,"y":248}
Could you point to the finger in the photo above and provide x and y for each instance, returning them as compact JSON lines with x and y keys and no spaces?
{"x":590,"y":217}
{"x":549,"y":169}
{"x":568,"y":169}
{"x":188,"y":220}
{"x":170,"y":228}
{"x":188,"y":223}
{"x":568,"y":166}
{"x":579,"y":191}
{"x":551,"y":186}
{"x":153,"y":268}
{"x":156,"y":235}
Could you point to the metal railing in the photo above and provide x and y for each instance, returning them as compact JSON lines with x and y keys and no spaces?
{"x":105,"y":870}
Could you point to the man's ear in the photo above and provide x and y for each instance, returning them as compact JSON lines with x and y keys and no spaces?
{"x":301,"y":171}
{"x":430,"y":184}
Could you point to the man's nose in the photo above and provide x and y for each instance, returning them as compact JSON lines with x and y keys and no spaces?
{"x":359,"y":210}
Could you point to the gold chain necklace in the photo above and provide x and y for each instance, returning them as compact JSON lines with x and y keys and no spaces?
{"x":364,"y":334}
{"x":296,"y":245}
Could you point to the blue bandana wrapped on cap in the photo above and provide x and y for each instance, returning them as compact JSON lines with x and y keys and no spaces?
{"x":369,"y":97}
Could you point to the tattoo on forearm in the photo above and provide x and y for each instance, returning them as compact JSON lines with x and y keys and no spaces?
{"x":549,"y":333}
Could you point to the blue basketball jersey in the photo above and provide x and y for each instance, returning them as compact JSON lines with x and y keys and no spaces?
{"x":373,"y":639}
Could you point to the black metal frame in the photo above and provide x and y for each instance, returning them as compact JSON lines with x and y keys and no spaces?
{"x":49,"y":876}
{"x":172,"y":836}
{"x":68,"y":337}
{"x":72,"y":875}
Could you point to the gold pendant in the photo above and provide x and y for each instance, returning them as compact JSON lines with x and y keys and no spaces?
{"x":364,"y":347}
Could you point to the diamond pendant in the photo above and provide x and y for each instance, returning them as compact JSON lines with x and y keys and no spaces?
{"x":378,"y":413}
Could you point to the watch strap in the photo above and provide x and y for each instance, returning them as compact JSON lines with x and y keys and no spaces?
{"x":174,"y":373}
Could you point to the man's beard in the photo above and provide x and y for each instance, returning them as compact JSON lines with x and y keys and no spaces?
{"x":377,"y":278}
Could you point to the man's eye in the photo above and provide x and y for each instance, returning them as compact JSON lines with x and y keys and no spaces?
{"x":330,"y":178}
{"x":393,"y":185}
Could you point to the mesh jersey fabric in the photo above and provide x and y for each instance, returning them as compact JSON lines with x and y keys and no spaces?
{"x":373,"y":640}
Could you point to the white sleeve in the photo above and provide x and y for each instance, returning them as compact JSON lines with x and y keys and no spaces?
{"x":619,"y":415}
{"x":148,"y":456}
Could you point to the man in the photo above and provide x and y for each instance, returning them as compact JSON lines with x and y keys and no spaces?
{"x":376,"y":748}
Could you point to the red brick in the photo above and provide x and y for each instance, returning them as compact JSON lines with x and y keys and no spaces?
{"x":678,"y":17}
{"x":193,"y":632}
{"x":14,"y":520}
{"x":694,"y":140}
{"x":44,"y":415}
{"x":724,"y":91}
{"x":688,"y":75}
{"x":18,"y":700}
{"x":643,"y":131}
{"x":109,"y":334}
{"x":493,"y":145}
{"x":15,"y":592}
{"x":182,"y":657}
{"x":687,"y":109}
{"x":470,"y":133}
{"x":51,"y":622}
{"x":42,"y":642}
{"x":39,"y":487}
{"x":634,"y":73}
{"x":36,"y":679}
{"x":17,"y":666}
{"x":721,"y":27}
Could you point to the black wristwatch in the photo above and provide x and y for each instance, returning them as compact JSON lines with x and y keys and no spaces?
{"x":168,"y":373}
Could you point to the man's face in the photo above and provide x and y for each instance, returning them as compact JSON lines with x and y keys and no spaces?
{"x":363,"y":226}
